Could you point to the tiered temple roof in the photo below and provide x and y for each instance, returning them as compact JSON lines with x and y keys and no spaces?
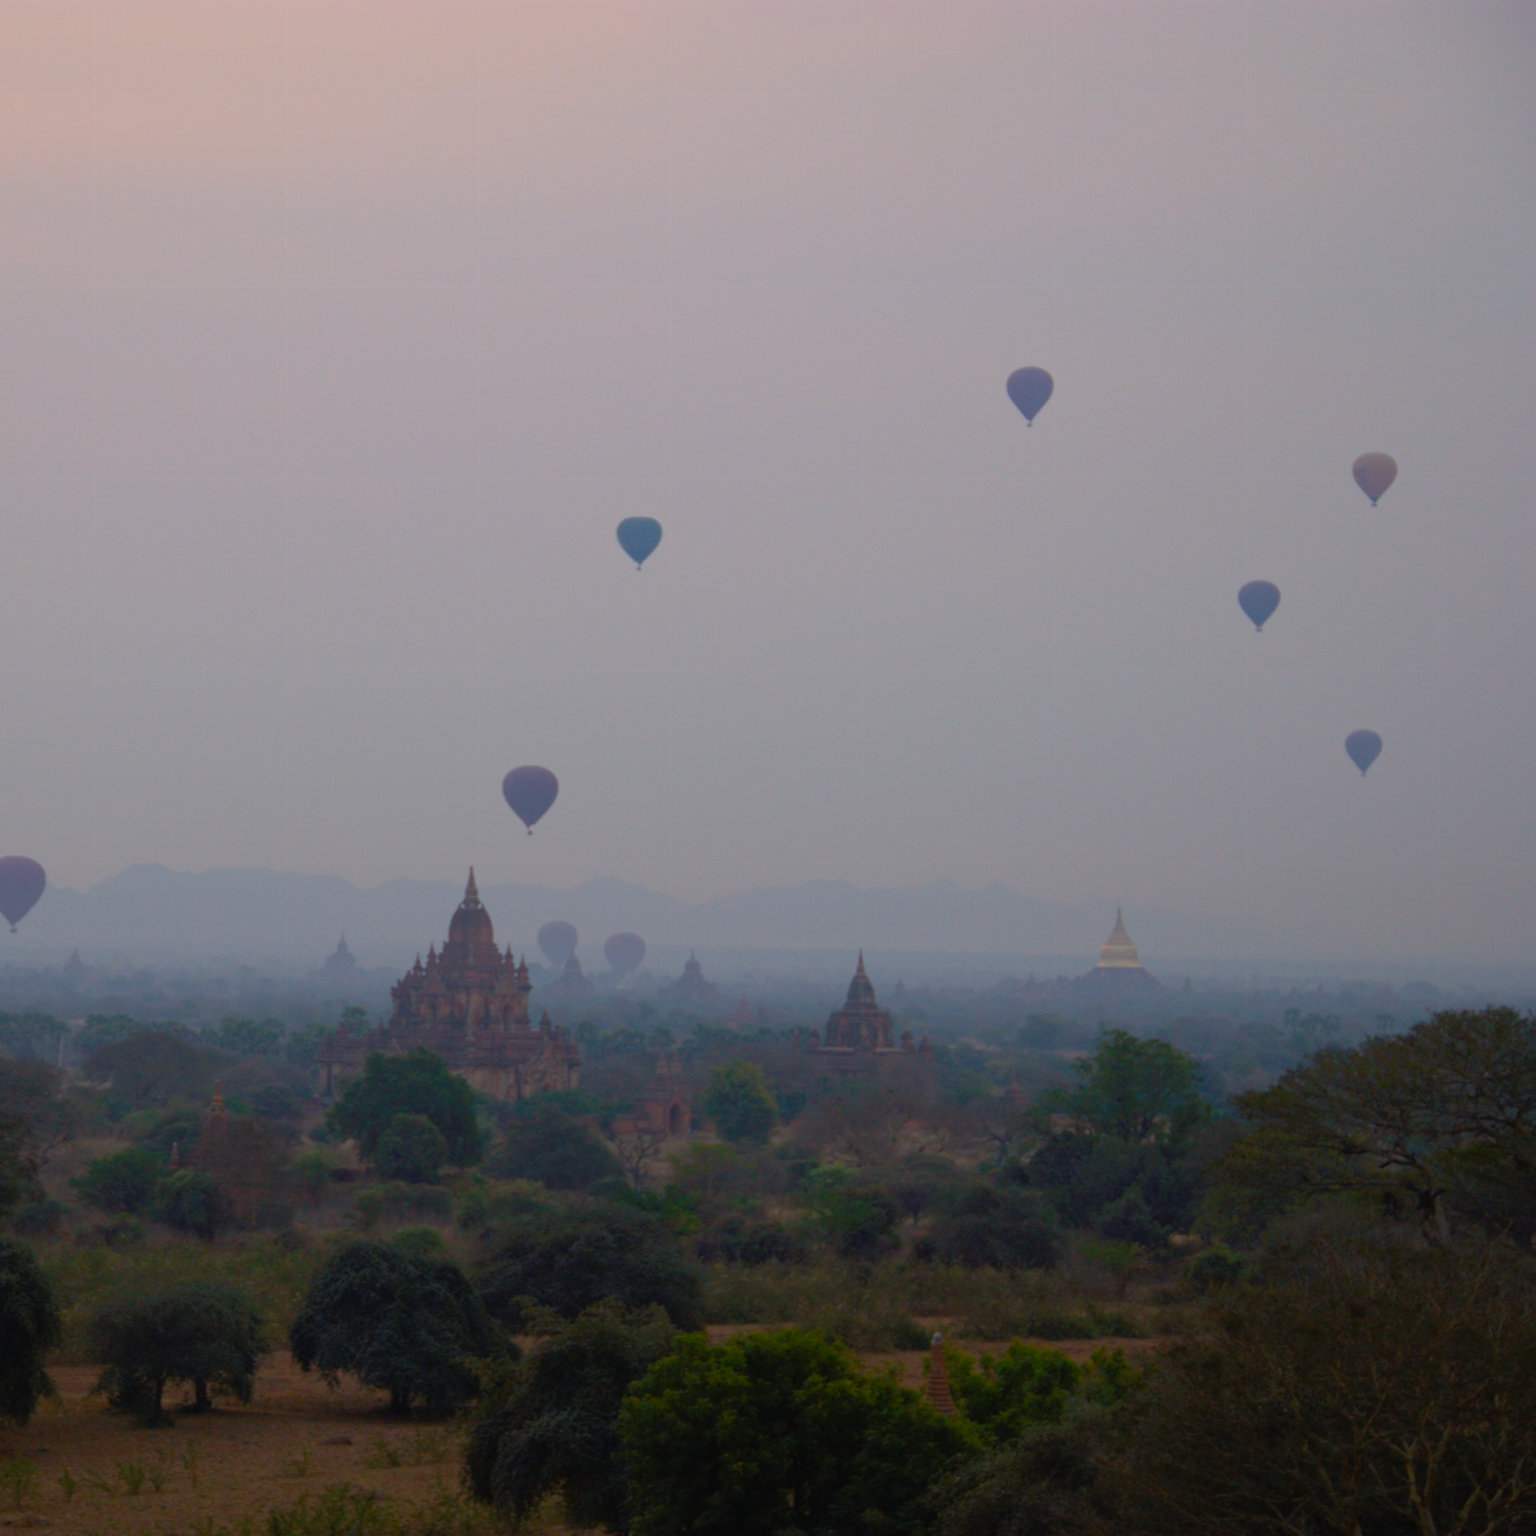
{"x":861,"y":1030}
{"x":469,"y":1004}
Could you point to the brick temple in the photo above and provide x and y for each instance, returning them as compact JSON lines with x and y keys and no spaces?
{"x":469,"y":1004}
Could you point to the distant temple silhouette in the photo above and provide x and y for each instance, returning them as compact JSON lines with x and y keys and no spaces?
{"x":341,"y":965}
{"x":690,"y":987}
{"x":469,"y":1004}
{"x":861,"y":1032}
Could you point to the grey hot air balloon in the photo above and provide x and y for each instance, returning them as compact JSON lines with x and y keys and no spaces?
{"x":1374,"y":474}
{"x":624,"y":952}
{"x":558,"y":941}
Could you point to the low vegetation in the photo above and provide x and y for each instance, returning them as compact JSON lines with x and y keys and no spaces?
{"x":1308,"y":1306}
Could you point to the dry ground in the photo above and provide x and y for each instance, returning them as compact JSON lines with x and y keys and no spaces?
{"x":220,"y":1468}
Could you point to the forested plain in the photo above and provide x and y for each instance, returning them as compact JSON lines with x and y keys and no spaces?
{"x":1193,"y":1272}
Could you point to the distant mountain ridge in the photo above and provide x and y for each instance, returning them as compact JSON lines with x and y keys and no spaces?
{"x":259,"y":914}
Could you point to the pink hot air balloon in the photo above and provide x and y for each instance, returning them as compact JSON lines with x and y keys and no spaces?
{"x":22,"y":881}
{"x":530,"y":791}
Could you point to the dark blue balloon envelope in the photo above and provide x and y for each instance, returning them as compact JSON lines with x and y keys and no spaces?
{"x":530,"y":791}
{"x":1258,"y":599}
{"x":1029,"y":389}
{"x":1364,"y":747}
{"x":638,"y":538}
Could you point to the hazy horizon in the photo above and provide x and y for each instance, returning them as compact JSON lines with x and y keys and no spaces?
{"x":337,"y":348}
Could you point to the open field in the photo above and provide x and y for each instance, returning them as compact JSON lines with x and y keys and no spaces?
{"x":99,"y":1474}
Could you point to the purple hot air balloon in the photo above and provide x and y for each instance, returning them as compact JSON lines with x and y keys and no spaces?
{"x":1364,"y":747}
{"x":1374,"y":474}
{"x":530,"y":791}
{"x":558,"y":941}
{"x":1029,"y":389}
{"x":624,"y":952}
{"x":1258,"y":599}
{"x":22,"y":881}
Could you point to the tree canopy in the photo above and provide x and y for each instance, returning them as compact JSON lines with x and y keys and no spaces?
{"x":544,"y":1143}
{"x":740,"y":1102}
{"x":417,"y":1083}
{"x":1136,"y":1090}
{"x":204,"y":1333}
{"x":777,"y":1431}
{"x":30,"y":1327}
{"x":549,"y":1424}
{"x":409,"y":1326}
{"x":1439,"y":1121}
{"x":571,"y":1260}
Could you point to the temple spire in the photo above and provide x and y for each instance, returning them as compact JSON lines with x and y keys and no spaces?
{"x":471,"y":891}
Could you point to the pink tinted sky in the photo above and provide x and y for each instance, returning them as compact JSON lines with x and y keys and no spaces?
{"x":338,"y":337}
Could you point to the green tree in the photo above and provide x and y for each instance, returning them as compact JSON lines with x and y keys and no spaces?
{"x":571,"y":1260}
{"x":33,"y":1092}
{"x":740,"y":1101}
{"x":1360,"y":1385}
{"x":418,"y":1083}
{"x":29,"y":1328}
{"x":550,"y":1423}
{"x":405,"y":1325}
{"x":203,"y":1333}
{"x":1437,"y":1122}
{"x":122,"y":1181}
{"x":412,"y":1149}
{"x":152,"y":1067}
{"x":1002,"y":1395}
{"x":1136,"y":1090}
{"x":772,"y":1432}
{"x":190,"y":1201}
{"x":249,"y":1037}
{"x":998,"y":1228}
{"x":560,"y":1152}
{"x":18,"y":1166}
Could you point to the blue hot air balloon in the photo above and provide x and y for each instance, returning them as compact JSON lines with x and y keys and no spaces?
{"x":638,"y":538}
{"x":1029,"y":389}
{"x":1374,"y":474}
{"x":1259,"y":599}
{"x":530,"y":791}
{"x":1364,"y":747}
{"x":22,"y":882}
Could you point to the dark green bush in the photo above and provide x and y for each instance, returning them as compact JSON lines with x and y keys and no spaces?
{"x":124,"y":1181}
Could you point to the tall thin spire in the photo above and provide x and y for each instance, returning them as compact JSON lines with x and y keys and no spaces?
{"x":471,"y":892}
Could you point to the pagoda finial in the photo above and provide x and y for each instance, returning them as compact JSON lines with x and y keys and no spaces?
{"x":471,"y":891}
{"x":860,"y":971}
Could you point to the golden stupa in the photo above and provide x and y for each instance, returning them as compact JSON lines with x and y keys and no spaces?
{"x":1117,"y":953}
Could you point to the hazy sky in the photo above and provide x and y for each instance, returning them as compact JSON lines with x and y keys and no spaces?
{"x":337,"y":337}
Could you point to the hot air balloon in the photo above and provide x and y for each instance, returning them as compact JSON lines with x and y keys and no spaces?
{"x":558,"y":941}
{"x":1374,"y":473}
{"x":638,"y":538}
{"x":1258,"y":599}
{"x":530,"y":791}
{"x":22,"y":881}
{"x":624,"y":952}
{"x":1029,"y":389}
{"x":1364,"y":747}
